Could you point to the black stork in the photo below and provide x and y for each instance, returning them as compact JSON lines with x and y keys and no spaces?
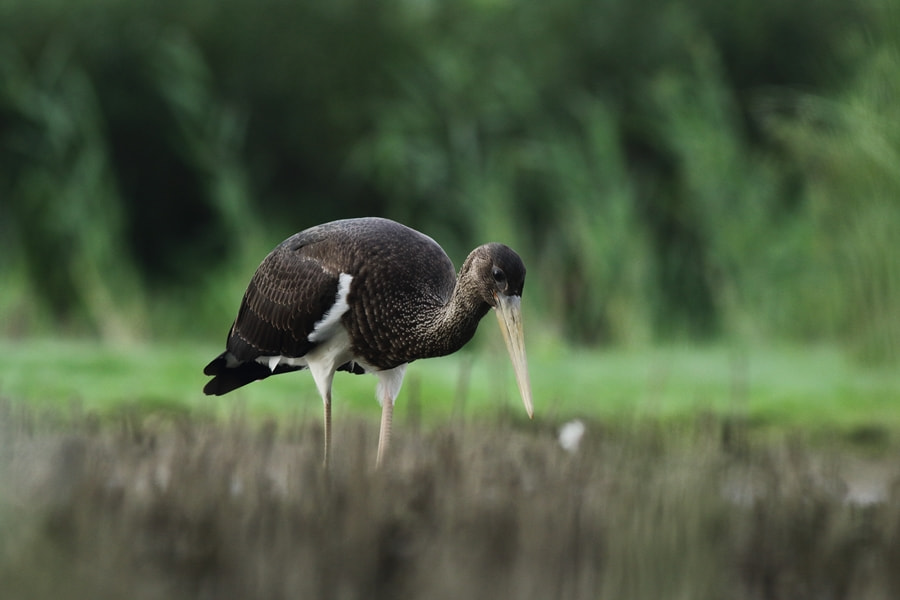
{"x":367,"y":295}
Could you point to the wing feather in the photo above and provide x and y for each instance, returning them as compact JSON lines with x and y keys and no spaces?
{"x":287,"y":295}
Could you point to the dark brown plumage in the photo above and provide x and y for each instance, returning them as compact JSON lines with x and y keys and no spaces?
{"x":365,"y":295}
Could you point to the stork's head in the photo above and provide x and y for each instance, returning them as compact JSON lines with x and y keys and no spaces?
{"x":501,"y":276}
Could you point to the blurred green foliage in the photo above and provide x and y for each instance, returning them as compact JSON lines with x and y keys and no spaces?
{"x":667,"y":169}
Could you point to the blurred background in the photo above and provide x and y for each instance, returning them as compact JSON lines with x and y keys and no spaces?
{"x":668,"y":170}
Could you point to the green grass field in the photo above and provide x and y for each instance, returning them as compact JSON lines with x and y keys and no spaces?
{"x":812,"y":390}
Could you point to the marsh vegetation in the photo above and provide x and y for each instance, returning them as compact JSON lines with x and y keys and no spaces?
{"x":186,"y":508}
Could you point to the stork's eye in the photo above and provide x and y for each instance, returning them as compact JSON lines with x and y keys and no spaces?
{"x":499,"y":275}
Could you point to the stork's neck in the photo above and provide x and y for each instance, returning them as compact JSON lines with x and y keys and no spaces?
{"x":454,"y":323}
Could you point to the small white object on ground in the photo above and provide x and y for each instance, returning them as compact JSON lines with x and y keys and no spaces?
{"x":570,"y":435}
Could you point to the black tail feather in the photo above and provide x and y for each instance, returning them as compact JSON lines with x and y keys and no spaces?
{"x":228,"y":378}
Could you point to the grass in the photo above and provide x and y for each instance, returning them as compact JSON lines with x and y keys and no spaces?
{"x":815,"y":389}
{"x":672,"y":493}
{"x":191,"y":508}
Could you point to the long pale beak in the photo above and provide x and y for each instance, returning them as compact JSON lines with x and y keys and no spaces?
{"x":509,"y":314}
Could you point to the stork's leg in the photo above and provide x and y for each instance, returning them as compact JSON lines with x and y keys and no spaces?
{"x":384,"y":436}
{"x":389,"y":382}
{"x":327,"y":453}
{"x":323,"y":374}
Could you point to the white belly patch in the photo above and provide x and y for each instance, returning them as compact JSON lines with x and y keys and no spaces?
{"x":330,"y":354}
